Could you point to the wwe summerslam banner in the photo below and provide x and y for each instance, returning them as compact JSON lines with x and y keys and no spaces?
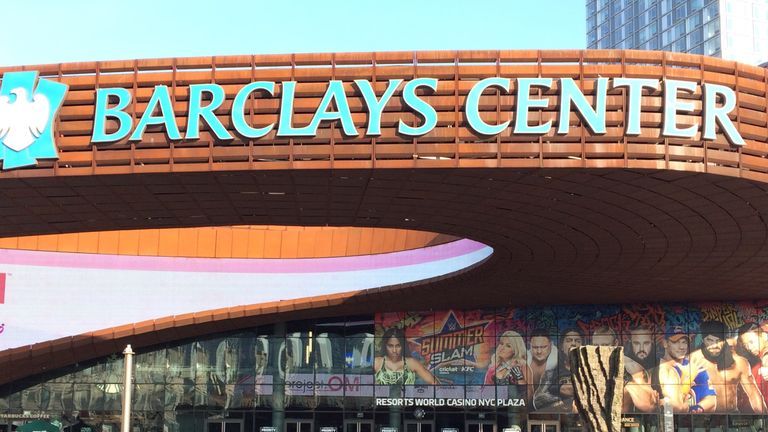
{"x":703,"y":358}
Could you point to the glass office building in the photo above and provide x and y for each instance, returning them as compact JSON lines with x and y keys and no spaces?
{"x":730,"y":29}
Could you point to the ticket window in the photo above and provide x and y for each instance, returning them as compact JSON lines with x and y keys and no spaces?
{"x":419,"y":426}
{"x":480,"y":426}
{"x":543,"y":426}
{"x":225,"y":425}
{"x":358,"y":425}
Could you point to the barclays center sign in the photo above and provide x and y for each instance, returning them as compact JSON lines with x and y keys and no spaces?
{"x":28,"y":108}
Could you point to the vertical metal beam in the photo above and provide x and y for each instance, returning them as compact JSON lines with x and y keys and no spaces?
{"x":125,"y":423}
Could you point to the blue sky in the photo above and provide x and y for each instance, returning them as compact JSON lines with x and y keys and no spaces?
{"x":87,"y":30}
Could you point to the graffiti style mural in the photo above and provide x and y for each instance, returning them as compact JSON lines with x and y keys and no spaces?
{"x":705,"y":358}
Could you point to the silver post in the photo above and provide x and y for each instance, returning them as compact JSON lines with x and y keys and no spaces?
{"x":128,"y":386}
{"x":669,"y":420}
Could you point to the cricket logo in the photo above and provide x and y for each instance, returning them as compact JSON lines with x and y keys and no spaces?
{"x":26,"y":118}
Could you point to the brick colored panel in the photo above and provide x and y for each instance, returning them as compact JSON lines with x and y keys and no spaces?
{"x":353,"y":242}
{"x":223,"y":242}
{"x":306,"y":244}
{"x":339,"y":242}
{"x":168,"y":242}
{"x":47,"y":242}
{"x":88,"y":242}
{"x":68,"y":243}
{"x":324,"y":243}
{"x":256,"y":241}
{"x":289,"y":246}
{"x":28,"y":243}
{"x":383,"y":241}
{"x":239,"y":242}
{"x":129,"y":243}
{"x":149,"y":242}
{"x":109,"y":242}
{"x":188,"y":239}
{"x":366,"y":242}
{"x":272,"y":244}
{"x":206,"y":242}
{"x":400,"y":239}
{"x":9,"y":243}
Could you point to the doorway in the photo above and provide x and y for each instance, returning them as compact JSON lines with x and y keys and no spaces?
{"x":224,"y":425}
{"x":298,"y":425}
{"x":543,"y":425}
{"x":358,"y":425}
{"x":419,"y":426}
{"x":480,"y":426}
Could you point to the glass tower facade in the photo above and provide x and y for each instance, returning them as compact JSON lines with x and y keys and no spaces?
{"x":730,"y":29}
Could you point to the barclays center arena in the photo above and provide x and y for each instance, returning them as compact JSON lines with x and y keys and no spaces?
{"x":383,"y":242}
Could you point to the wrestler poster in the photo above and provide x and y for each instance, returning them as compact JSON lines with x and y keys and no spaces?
{"x":454,"y":346}
{"x":703,"y":358}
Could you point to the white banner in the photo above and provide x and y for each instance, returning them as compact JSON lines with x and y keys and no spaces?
{"x":328,"y":385}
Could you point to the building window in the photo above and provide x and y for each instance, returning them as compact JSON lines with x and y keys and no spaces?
{"x":694,"y":5}
{"x":710,"y":12}
{"x":680,"y":45}
{"x":591,"y":8}
{"x":666,"y":37}
{"x":711,"y":46}
{"x":680,"y":12}
{"x":694,"y":20}
{"x":666,"y":21}
{"x":698,"y":49}
{"x":666,"y":6}
{"x":695,"y":37}
{"x":711,"y":29}
{"x":653,"y":12}
{"x":592,"y":37}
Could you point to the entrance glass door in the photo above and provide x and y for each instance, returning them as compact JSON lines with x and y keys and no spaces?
{"x":419,"y":426}
{"x":358,"y":425}
{"x":543,"y":426}
{"x":225,"y":425}
{"x":298,"y":425}
{"x":480,"y":426}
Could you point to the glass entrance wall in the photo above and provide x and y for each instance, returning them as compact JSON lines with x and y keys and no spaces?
{"x":437,"y":371}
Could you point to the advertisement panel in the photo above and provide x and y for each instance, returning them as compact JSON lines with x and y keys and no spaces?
{"x":704,"y":358}
{"x":701,"y":358}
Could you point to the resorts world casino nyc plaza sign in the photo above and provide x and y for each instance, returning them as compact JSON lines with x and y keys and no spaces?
{"x":28,"y":107}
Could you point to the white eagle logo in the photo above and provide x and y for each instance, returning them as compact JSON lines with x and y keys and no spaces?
{"x":21,"y":121}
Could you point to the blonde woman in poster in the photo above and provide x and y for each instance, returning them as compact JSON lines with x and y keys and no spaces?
{"x":394,"y":365}
{"x":509,"y":364}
